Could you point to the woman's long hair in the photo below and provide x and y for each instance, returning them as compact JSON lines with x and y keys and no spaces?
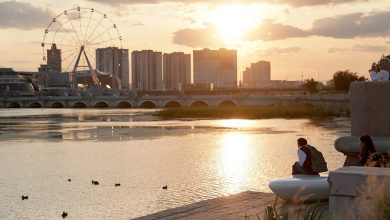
{"x":368,"y":145}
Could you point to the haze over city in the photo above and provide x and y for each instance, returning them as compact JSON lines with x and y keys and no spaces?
{"x":309,"y":38}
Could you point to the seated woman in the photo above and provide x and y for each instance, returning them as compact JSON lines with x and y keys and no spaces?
{"x":366,"y":148}
{"x":373,"y":72}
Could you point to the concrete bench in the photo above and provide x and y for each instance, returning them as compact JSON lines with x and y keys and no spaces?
{"x":349,"y":146}
{"x":301,"y":188}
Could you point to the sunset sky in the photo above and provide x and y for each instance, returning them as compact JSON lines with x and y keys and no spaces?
{"x":313,"y":38}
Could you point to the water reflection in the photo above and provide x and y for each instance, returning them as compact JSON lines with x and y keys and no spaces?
{"x":236,"y":123}
{"x":234,"y":157}
{"x":197,"y":159}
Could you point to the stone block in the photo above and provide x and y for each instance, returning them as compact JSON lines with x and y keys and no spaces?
{"x":370,"y":108}
{"x":359,"y":192}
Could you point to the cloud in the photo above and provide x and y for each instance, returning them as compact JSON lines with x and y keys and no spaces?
{"x":21,"y":61}
{"x":35,"y":42}
{"x":362,"y":48}
{"x":353,"y":25}
{"x":201,"y":37}
{"x":299,"y":3}
{"x":138,"y":23}
{"x":295,"y":3}
{"x":270,"y":31}
{"x":370,"y":48}
{"x":189,"y":19}
{"x":277,"y":51}
{"x":208,"y":36}
{"x":337,"y":50}
{"x":23,"y":16}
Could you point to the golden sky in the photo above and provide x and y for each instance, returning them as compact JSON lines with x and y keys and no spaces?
{"x":309,"y":38}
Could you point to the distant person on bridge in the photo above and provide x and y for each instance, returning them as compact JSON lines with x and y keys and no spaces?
{"x":373,"y":71}
{"x":379,"y":72}
{"x":310,"y":160}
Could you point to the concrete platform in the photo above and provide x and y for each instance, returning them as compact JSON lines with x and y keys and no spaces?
{"x":235,"y":207}
{"x":359,"y":193}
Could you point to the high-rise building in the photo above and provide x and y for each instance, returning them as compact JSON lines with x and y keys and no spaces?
{"x":216,"y":67}
{"x":53,"y":59}
{"x":115,"y":61}
{"x":176,"y":70}
{"x":146,"y":70}
{"x":245,"y":76}
{"x":258,"y":75}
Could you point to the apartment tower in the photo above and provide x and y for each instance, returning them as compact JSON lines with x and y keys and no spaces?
{"x":146,"y":70}
{"x":54,"y":59}
{"x":258,"y":75}
{"x":114,"y":61}
{"x":216,"y":67}
{"x":176,"y":70}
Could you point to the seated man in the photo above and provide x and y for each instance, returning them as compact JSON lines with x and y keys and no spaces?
{"x":310,"y":162}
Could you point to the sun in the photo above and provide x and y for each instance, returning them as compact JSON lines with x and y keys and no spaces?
{"x":232,"y":21}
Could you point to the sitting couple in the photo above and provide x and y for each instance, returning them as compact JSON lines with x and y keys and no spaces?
{"x":378,"y":72}
{"x":368,"y":155}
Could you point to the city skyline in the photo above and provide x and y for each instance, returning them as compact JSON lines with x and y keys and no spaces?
{"x":309,"y":38}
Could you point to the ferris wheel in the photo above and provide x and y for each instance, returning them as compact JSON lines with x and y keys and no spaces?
{"x":78,"y":32}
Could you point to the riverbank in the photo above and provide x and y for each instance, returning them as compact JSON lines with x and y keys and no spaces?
{"x":246,"y":204}
{"x":255,"y":112}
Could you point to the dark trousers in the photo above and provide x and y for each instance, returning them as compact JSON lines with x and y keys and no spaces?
{"x":298,"y":169}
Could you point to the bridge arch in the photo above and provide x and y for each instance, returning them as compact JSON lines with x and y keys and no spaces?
{"x":199,"y":104}
{"x":79,"y":105}
{"x":101,"y":104}
{"x":124,"y":104}
{"x":148,"y":104}
{"x":14,"y":105}
{"x":57,"y":105}
{"x":35,"y":105}
{"x":172,"y":104}
{"x":227,"y":103}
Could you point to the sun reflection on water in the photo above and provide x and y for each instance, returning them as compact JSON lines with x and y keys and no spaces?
{"x":236,"y":123}
{"x":234,"y":159}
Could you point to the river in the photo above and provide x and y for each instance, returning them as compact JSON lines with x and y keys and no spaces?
{"x":40,"y":149}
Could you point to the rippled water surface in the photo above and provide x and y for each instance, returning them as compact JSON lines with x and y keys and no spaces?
{"x":197,"y":159}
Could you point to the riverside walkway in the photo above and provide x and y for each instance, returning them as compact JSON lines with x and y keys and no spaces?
{"x":245,"y":205}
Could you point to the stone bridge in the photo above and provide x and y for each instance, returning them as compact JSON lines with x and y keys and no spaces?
{"x":333,"y":101}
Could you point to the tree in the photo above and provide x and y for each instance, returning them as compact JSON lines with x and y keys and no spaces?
{"x":343,"y":78}
{"x":311,"y":85}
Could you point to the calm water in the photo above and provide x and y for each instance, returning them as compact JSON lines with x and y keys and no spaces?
{"x":198,"y":159}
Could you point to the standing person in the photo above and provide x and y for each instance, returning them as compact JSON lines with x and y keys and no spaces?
{"x":310,"y":160}
{"x":366,"y":148}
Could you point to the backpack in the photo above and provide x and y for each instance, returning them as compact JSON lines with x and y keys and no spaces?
{"x":318,"y":163}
